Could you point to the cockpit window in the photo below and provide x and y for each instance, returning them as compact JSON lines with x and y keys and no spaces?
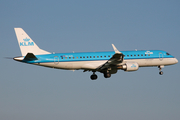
{"x":167,"y":54}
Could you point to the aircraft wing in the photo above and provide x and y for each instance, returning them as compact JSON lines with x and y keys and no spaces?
{"x":117,"y":58}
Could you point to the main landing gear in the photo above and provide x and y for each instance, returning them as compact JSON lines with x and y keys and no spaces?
{"x":106,"y":75}
{"x":94,"y":76}
{"x":160,"y":68}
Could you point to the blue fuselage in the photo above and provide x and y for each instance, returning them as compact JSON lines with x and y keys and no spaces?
{"x":100,"y":56}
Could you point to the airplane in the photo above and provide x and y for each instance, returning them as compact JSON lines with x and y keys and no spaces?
{"x":107,"y":63}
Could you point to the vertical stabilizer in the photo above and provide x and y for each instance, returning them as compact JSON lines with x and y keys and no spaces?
{"x":26,"y":44}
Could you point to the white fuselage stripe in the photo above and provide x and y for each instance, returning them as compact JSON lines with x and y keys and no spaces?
{"x":95,"y":64}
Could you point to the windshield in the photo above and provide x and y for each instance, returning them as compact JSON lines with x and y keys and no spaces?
{"x":167,"y":54}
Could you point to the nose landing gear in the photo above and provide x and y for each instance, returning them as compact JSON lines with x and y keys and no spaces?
{"x":161,"y":72}
{"x":160,"y":68}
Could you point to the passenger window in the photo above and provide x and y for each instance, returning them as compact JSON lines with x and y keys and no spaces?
{"x":134,"y":55}
{"x":138,"y":55}
{"x":131,"y":55}
{"x":76,"y":57}
{"x":80,"y":57}
{"x":104,"y":56}
{"x":97,"y":56}
{"x":141,"y":54}
{"x":83,"y":57}
{"x":109,"y":56}
{"x":94,"y":56}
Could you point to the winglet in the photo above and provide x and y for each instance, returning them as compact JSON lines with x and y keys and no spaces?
{"x":115,"y":49}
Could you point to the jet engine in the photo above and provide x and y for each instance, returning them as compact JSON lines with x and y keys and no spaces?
{"x":129,"y":66}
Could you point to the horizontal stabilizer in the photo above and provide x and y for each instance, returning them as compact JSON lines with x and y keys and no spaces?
{"x":30,"y":56}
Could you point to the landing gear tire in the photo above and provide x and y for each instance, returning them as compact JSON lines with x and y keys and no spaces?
{"x":94,"y":77}
{"x":107,"y":75}
{"x":161,"y":72}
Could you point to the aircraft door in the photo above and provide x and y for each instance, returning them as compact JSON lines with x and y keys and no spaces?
{"x":160,"y":56}
{"x":56,"y":60}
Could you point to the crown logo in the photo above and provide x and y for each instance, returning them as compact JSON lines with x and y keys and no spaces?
{"x":26,"y":39}
{"x":133,"y":66}
{"x":148,"y":52}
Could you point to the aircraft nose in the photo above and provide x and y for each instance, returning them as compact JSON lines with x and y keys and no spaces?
{"x":176,"y":61}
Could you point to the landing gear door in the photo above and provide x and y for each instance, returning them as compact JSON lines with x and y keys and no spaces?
{"x":56,"y":60}
{"x":160,"y":56}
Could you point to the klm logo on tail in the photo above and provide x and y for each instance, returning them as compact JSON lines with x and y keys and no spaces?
{"x":26,"y":42}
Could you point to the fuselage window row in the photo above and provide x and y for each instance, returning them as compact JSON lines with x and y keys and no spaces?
{"x":84,"y":57}
{"x":102,"y":56}
{"x":137,"y":55}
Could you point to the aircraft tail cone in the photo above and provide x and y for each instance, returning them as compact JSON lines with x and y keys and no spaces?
{"x":18,"y":58}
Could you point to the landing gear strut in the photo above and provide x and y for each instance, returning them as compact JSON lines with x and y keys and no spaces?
{"x":94,"y":76}
{"x":160,"y":68}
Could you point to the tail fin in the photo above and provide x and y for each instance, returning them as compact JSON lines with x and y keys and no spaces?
{"x":26,"y":44}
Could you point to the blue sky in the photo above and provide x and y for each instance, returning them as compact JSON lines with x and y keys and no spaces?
{"x":33,"y":92}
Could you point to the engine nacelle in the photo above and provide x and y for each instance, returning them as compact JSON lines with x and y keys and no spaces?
{"x":129,"y":66}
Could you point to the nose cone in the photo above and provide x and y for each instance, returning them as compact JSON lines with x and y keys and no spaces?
{"x":176,"y":61}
